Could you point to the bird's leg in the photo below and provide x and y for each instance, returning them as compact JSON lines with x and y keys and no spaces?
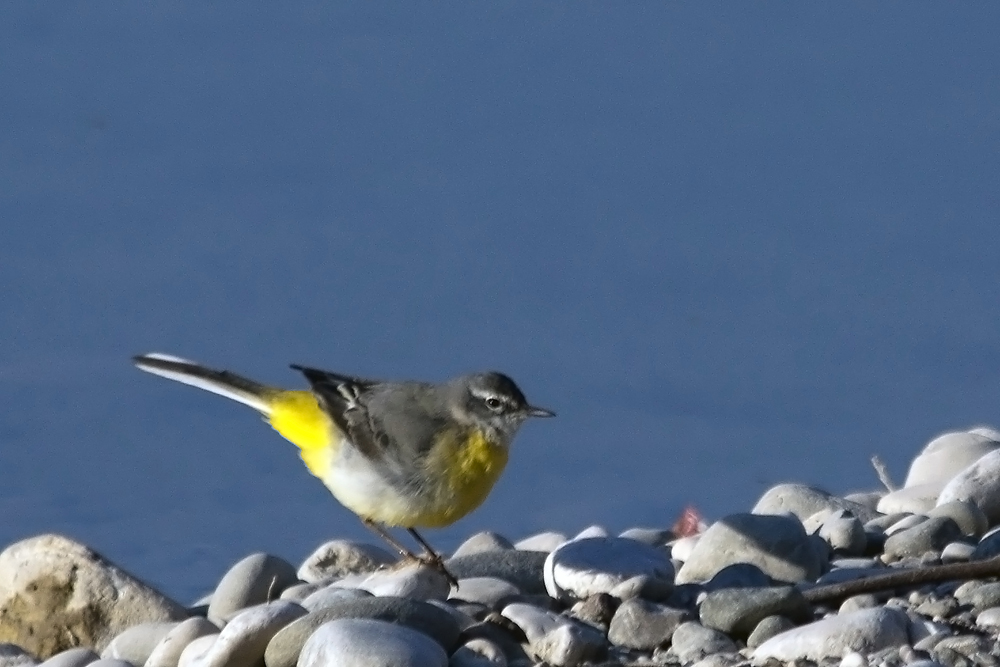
{"x":387,"y":536}
{"x":432,"y":557}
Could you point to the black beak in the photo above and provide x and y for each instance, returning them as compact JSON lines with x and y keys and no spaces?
{"x":532,"y":411}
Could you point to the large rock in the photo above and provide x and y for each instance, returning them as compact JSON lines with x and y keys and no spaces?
{"x":867,"y":631}
{"x":584,"y":567}
{"x":57,"y":594}
{"x":978,"y":483}
{"x":778,"y":545}
{"x":804,"y":501}
{"x":947,"y":455}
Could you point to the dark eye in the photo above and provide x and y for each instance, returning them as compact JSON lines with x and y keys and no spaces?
{"x":494,"y":404}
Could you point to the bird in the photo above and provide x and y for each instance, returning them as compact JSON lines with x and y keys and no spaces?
{"x":398,"y":454}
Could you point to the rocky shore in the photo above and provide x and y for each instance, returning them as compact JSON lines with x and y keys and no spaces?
{"x":904,"y":576}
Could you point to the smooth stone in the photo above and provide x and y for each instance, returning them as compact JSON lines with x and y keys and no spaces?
{"x":778,"y":545}
{"x":546,"y":542}
{"x":488,"y":591}
{"x":284,"y":649}
{"x":584,"y":567}
{"x":803,"y":501}
{"x":554,"y":638}
{"x":931,"y":535}
{"x":111,"y":662}
{"x":955,"y":552}
{"x":837,"y":575}
{"x":966,"y":590}
{"x":483,"y":542}
{"x":987,"y":431}
{"x":989,"y":619}
{"x":74,"y":657}
{"x":857,"y":602}
{"x":299,"y":592}
{"x":12,"y":655}
{"x":597,"y":610}
{"x":692,"y":641}
{"x":979,"y":484}
{"x":966,"y":514}
{"x":640,"y":624}
{"x":767,"y":628}
{"x":844,"y":533}
{"x":520,"y":567}
{"x":243,"y":640}
{"x":968,"y":645}
{"x":983,"y":597}
{"x":339,"y":558}
{"x":682,"y":548}
{"x":947,"y":455}
{"x":509,"y":640}
{"x":867,"y":498}
{"x":137,"y":643}
{"x":478,"y":653}
{"x":194,"y":653}
{"x":590,"y":532}
{"x":917,"y":499}
{"x":867,"y":630}
{"x":738,"y":575}
{"x":654,"y":537}
{"x":853,"y":659}
{"x":907,"y":522}
{"x":737,"y":611}
{"x":57,"y":594}
{"x":253,"y":580}
{"x":327,"y":595}
{"x":880,"y":524}
{"x":167,"y":653}
{"x":988,"y":546}
{"x":367,"y":642}
{"x":416,"y":581}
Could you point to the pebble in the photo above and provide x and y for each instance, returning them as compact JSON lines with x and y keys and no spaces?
{"x":947,"y":455}
{"x":640,"y":624}
{"x":57,"y":594}
{"x":654,"y":537}
{"x":111,"y":662}
{"x":12,"y":655}
{"x":681,"y":549}
{"x":193,"y":653}
{"x":692,"y":641}
{"x":988,"y":546}
{"x":483,"y":542}
{"x":167,"y":653}
{"x":73,"y":657}
{"x":917,"y":499}
{"x":778,"y":545}
{"x":966,"y":514}
{"x":284,"y":649}
{"x":554,"y":638}
{"x":930,"y":535}
{"x":253,"y":580}
{"x":737,"y":611}
{"x":339,"y":558}
{"x":767,"y":628}
{"x":328,"y":595}
{"x":867,"y":630}
{"x":989,"y":619}
{"x":136,"y":644}
{"x":844,"y":533}
{"x":488,"y":591}
{"x":979,"y":483}
{"x":367,"y":642}
{"x":478,"y":653}
{"x":738,"y":575}
{"x":618,"y":566}
{"x":804,"y":501}
{"x":546,"y":542}
{"x":409,"y":580}
{"x":243,"y":640}
{"x":957,"y":551}
{"x":520,"y":567}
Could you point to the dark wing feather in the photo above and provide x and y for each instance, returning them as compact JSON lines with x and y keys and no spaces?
{"x":345,"y":400}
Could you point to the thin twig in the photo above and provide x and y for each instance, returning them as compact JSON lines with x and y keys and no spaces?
{"x":883,"y":473}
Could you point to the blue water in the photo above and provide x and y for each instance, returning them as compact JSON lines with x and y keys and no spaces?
{"x":732,"y":245}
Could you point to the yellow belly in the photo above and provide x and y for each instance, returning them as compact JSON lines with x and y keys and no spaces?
{"x":458,"y":473}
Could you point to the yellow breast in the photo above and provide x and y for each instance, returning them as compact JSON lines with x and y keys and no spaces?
{"x":463,"y":471}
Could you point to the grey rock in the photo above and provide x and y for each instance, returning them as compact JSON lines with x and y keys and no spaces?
{"x":844,"y":533}
{"x":254,"y":580}
{"x":519,"y":567}
{"x":74,"y":657}
{"x":989,"y":545}
{"x":489,"y":591}
{"x":366,"y":642}
{"x":194,"y":653}
{"x":597,"y":610}
{"x":112,"y":662}
{"x":867,"y":498}
{"x":947,"y":455}
{"x":930,"y":535}
{"x":243,"y":640}
{"x":12,"y":655}
{"x":967,"y":515}
{"x":907,"y":522}
{"x":767,"y":628}
{"x":867,"y":631}
{"x":778,"y":545}
{"x":881,"y":523}
{"x":968,"y":645}
{"x":554,"y":638}
{"x":917,"y":499}
{"x":737,"y":611}
{"x":856,"y":602}
{"x":329,"y":594}
{"x":478,"y":653}
{"x":989,"y":619}
{"x":135,"y":644}
{"x":983,"y":597}
{"x":640,"y":624}
{"x":654,"y":537}
{"x":57,"y":594}
{"x":957,"y":552}
{"x":804,"y":501}
{"x":507,"y":638}
{"x":414,"y":580}
{"x":692,"y":641}
{"x":339,"y":558}
{"x":482,"y":542}
{"x":298,"y":592}
{"x":284,"y":649}
{"x":546,"y":542}
{"x":979,"y":483}
{"x":738,"y":575}
{"x":622,"y":567}
{"x":167,"y":653}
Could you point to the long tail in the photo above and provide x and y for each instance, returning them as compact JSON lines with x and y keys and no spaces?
{"x":241,"y":389}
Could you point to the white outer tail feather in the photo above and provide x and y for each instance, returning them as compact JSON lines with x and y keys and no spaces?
{"x":193,"y":379}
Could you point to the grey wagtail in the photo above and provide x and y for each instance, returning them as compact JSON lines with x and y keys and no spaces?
{"x":397,"y":454}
